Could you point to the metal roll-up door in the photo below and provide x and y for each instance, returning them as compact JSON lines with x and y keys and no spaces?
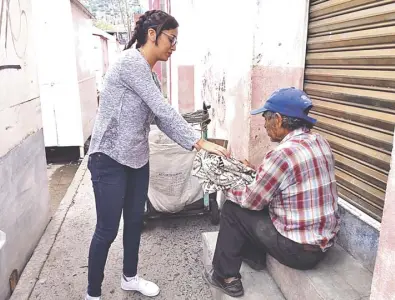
{"x":350,"y":76}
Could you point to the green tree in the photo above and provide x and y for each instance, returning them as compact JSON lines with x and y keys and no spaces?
{"x":127,"y":9}
{"x":103,"y":25}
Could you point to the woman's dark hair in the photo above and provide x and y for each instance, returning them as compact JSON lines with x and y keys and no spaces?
{"x":155,"y":19}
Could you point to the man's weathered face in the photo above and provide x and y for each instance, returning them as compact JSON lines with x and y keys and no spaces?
{"x":273,"y":127}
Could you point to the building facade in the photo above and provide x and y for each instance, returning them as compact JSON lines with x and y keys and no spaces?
{"x":342,"y":54}
{"x":24,"y":196}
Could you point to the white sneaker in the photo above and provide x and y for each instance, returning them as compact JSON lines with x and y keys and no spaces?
{"x":147,"y":288}
{"x":87,"y":297}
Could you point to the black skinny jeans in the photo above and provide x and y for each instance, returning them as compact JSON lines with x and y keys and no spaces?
{"x":117,"y":189}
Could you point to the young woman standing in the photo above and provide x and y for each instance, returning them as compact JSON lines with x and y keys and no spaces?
{"x":119,"y":152}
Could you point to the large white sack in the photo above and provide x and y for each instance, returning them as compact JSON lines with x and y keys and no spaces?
{"x":172,"y":186}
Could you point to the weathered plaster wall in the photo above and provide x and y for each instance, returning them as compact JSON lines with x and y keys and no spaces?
{"x":19,"y":93}
{"x":279,"y":58}
{"x":221,"y":54}
{"x":24,"y":196}
{"x":240,"y":57}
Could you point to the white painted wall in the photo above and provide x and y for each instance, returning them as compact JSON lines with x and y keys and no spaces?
{"x":105,"y":52}
{"x":97,"y":54}
{"x":19,"y":108}
{"x":217,"y":38}
{"x":54,"y":37}
{"x":280,"y":35}
{"x":83,"y":41}
{"x":64,"y":44}
{"x":114,"y":50}
{"x":24,"y":196}
{"x":281,"y":40}
{"x":241,"y":54}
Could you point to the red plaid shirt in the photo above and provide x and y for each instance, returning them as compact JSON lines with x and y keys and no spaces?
{"x":297,"y":181}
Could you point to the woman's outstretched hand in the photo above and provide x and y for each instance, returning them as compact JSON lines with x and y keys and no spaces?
{"x":212,"y":148}
{"x":248,"y":164}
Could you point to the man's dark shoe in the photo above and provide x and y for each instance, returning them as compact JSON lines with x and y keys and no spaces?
{"x":233,"y":289}
{"x":255,"y":265}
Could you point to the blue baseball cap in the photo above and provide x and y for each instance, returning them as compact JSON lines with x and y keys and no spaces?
{"x":289,"y":102}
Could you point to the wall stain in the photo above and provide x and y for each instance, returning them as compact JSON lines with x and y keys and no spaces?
{"x":213,"y":89}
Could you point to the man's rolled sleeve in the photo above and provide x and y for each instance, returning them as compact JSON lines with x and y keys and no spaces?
{"x":269,"y":176}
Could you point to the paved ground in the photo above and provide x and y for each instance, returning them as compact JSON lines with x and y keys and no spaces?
{"x":60,"y":176}
{"x":170,"y":255}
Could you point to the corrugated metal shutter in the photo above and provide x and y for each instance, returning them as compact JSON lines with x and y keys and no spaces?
{"x":350,"y":76}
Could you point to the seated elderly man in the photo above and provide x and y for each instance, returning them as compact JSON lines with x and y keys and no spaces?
{"x":290,"y":211}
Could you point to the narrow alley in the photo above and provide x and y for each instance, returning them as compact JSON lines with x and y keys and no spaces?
{"x":274,"y":118}
{"x":171,"y":254}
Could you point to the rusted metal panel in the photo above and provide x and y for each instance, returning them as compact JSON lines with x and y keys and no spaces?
{"x":361,"y":152}
{"x":358,"y":201}
{"x":369,"y":17}
{"x":325,"y":9}
{"x":356,"y":131}
{"x":375,"y":80}
{"x":370,"y":175}
{"x":350,"y":76}
{"x":378,"y":120}
{"x":375,"y":100}
{"x":373,"y":195}
{"x":361,"y":39}
{"x":384,"y":57}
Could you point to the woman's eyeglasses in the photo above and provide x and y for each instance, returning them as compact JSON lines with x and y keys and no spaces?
{"x":172,"y":38}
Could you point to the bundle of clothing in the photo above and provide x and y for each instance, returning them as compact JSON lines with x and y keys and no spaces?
{"x":217,"y":173}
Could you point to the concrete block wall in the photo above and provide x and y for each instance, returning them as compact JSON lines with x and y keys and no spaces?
{"x":24,"y":201}
{"x":359,"y":234}
{"x":383,"y":287}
